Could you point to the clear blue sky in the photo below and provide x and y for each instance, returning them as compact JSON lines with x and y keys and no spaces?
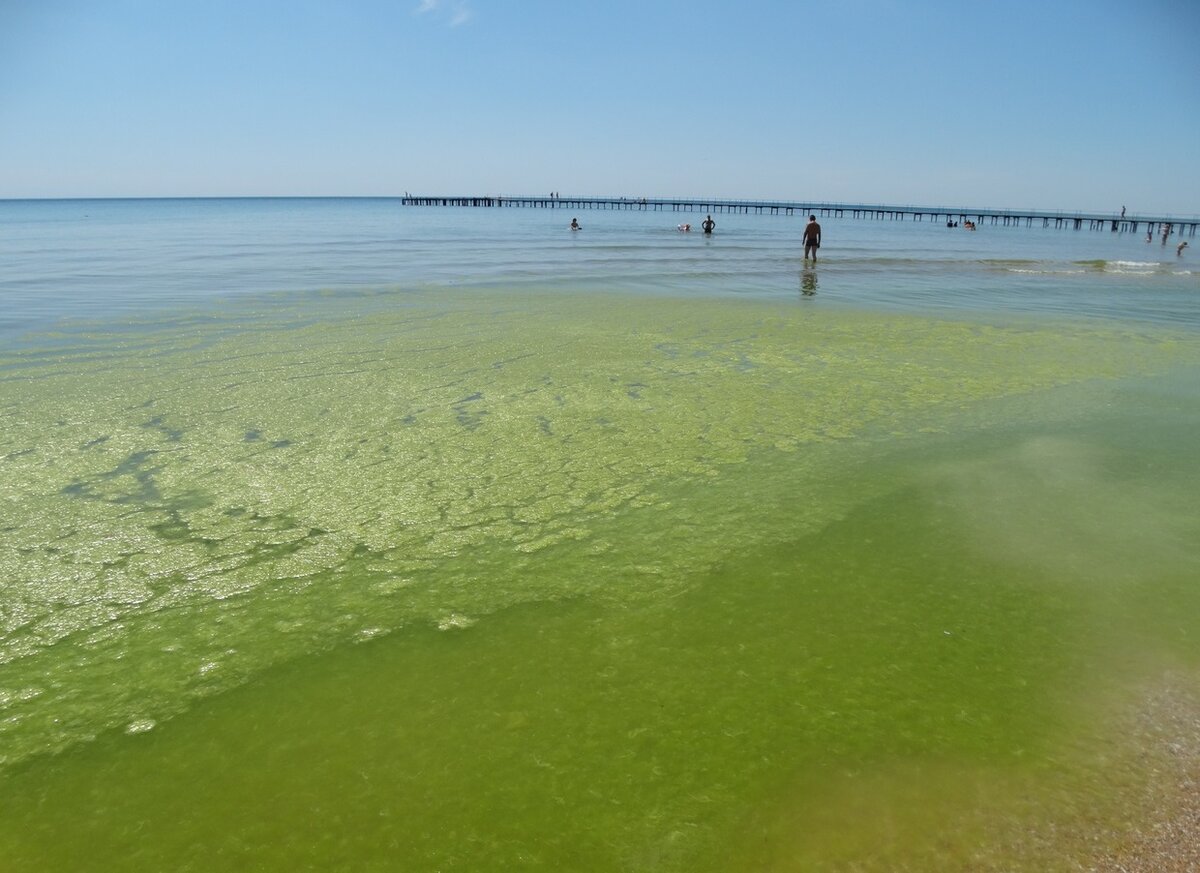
{"x":1031,"y":103}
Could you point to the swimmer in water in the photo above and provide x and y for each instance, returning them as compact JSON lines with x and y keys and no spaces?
{"x":1179,"y":248}
{"x":575,"y":225}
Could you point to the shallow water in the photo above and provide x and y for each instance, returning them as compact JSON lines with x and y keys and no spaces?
{"x":541,"y":574}
{"x":134,"y":258}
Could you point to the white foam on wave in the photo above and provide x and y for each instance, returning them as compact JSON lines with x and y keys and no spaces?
{"x":1132,"y":268}
{"x":1044,"y":272}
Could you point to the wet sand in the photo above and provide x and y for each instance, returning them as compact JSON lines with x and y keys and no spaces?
{"x":1167,"y":733}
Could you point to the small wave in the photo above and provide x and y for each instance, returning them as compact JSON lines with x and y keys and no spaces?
{"x":1104,"y":266}
{"x":1130,"y":271}
{"x":1033,"y":267}
{"x":1045,"y":272}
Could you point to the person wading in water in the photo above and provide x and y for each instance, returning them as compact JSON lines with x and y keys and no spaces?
{"x":812,"y":237}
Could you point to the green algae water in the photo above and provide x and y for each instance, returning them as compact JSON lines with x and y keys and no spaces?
{"x":549,"y":576}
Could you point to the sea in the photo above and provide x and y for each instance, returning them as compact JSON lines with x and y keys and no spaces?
{"x":344,"y":534}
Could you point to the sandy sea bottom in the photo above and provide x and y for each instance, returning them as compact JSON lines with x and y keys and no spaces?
{"x":480,"y":580}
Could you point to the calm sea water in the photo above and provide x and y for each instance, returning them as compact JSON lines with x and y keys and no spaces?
{"x":344,"y":535}
{"x":113,"y":258}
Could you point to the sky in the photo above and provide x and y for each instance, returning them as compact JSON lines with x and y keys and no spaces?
{"x":1048,"y":104}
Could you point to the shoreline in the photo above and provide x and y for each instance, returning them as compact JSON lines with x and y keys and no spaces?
{"x":1166,"y":838}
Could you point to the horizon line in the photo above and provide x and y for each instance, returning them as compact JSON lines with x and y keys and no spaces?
{"x":815,"y":204}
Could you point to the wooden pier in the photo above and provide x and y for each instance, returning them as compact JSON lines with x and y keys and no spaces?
{"x":941,"y":215}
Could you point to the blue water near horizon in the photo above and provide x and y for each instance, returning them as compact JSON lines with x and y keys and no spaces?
{"x":66,"y":260}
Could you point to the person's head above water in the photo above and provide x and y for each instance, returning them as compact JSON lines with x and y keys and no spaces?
{"x":812,"y":218}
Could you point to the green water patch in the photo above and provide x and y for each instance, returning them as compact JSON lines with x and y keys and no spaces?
{"x":186,"y":504}
{"x":703,"y":558}
{"x":899,"y":687}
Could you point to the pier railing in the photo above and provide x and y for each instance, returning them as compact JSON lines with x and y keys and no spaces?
{"x":940,"y":214}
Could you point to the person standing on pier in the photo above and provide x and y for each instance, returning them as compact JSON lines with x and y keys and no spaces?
{"x":708,"y":224}
{"x":812,"y":237}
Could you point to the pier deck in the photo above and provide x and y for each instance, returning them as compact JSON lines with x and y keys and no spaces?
{"x":940,"y":214}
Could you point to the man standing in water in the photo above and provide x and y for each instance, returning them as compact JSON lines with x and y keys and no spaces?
{"x":708,"y":224}
{"x":812,"y":237}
